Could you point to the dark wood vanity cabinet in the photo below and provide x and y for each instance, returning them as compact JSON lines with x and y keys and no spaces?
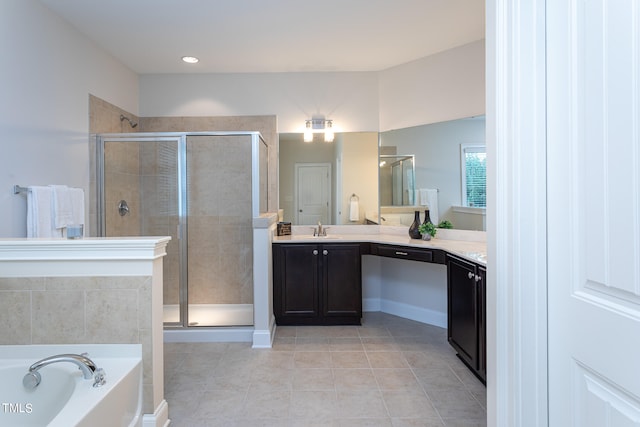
{"x":466,"y":312}
{"x":317,"y":284}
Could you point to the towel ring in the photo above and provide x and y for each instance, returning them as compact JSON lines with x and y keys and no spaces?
{"x":354,"y":198}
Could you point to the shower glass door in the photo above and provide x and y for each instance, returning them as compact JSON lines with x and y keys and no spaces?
{"x":220,"y":232}
{"x":140,"y":196}
{"x":197,"y":189}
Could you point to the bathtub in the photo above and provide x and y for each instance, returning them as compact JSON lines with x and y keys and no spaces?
{"x":64,"y":398}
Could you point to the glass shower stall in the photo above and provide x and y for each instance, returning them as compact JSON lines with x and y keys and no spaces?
{"x":203,"y":189}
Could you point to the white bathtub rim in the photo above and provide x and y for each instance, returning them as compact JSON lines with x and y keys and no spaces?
{"x":117,"y":360}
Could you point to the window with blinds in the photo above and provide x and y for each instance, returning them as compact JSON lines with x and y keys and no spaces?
{"x":474,"y":175}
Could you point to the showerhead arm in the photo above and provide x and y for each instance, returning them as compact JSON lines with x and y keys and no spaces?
{"x":123,"y":117}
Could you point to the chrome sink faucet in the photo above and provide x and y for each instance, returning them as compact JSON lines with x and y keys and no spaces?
{"x":320,"y":231}
{"x":86,"y":365}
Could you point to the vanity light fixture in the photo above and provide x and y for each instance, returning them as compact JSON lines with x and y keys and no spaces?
{"x":190,"y":59}
{"x":318,"y":125}
{"x":308,"y":132}
{"x":328,"y":132}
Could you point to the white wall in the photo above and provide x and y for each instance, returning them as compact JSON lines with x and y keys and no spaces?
{"x":48,"y":70}
{"x":410,"y":289}
{"x":445,"y":86}
{"x":350,"y":99}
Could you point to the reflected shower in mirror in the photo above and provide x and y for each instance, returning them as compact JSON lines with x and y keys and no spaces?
{"x":438,"y":149}
{"x":318,"y":179}
{"x":397,"y":180}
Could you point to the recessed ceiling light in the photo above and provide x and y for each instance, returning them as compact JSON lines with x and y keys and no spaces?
{"x":190,"y":59}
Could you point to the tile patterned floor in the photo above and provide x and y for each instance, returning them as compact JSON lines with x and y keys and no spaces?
{"x":389,"y":372}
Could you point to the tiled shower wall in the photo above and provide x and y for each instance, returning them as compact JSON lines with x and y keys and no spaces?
{"x":158,"y":204}
{"x":220,"y":222}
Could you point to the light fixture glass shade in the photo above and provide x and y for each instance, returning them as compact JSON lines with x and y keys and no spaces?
{"x":328,"y":132}
{"x":308,"y":133}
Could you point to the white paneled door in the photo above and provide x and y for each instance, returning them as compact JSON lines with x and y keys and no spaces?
{"x":593,"y":146}
{"x":313,"y":193}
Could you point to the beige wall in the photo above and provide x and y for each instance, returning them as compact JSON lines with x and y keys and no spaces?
{"x":359,"y":173}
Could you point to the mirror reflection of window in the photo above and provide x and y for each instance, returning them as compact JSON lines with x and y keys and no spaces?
{"x":474,"y":175}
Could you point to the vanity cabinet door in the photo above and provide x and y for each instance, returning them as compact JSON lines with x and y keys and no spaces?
{"x":295,"y":292}
{"x":482,"y":323}
{"x":462,"y":305}
{"x":317,"y":284}
{"x":341,"y":281}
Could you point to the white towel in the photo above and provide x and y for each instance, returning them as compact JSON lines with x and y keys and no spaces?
{"x":40,"y":213}
{"x":68,"y":206}
{"x":354,"y":210}
{"x":421,"y":197}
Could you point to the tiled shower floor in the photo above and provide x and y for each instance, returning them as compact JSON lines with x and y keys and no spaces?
{"x":388,"y":372}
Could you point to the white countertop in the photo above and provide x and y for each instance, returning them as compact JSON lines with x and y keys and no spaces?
{"x":466,"y":244}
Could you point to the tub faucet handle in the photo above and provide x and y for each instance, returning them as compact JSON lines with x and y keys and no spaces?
{"x":99,"y":377}
{"x":31,"y":380}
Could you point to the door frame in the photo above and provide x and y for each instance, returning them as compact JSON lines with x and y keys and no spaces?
{"x":517,"y":370}
{"x":296,"y":199}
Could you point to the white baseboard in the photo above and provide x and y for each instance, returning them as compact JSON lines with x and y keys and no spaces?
{"x":371,"y":304}
{"x":407,"y":311}
{"x":264,"y":338}
{"x":159,"y":418}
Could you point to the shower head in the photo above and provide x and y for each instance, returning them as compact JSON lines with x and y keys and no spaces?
{"x":123,"y":117}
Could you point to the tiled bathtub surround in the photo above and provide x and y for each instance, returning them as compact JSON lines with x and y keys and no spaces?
{"x":87,"y":291}
{"x":74,"y":310}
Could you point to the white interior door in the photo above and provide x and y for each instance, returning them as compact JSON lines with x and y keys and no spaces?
{"x":313,"y":193}
{"x":593,"y":116}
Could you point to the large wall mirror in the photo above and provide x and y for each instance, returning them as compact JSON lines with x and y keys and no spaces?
{"x":449,"y":172}
{"x":331,"y":182}
{"x":319,"y":181}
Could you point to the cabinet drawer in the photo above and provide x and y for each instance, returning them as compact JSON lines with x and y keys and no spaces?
{"x":424,"y":255}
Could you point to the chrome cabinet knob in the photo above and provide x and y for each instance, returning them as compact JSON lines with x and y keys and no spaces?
{"x":325,"y":252}
{"x":478,"y":278}
{"x":315,"y":252}
{"x":470,"y":275}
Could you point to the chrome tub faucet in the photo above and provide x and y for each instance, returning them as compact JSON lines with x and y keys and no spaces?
{"x":89,"y":369}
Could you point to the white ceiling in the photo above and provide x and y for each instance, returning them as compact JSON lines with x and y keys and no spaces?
{"x":235,"y":36}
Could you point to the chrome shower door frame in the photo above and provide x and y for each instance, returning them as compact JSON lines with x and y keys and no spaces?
{"x":181,"y":232}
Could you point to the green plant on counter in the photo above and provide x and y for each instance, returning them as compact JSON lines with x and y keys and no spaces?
{"x":427,"y":228}
{"x":445,"y":224}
